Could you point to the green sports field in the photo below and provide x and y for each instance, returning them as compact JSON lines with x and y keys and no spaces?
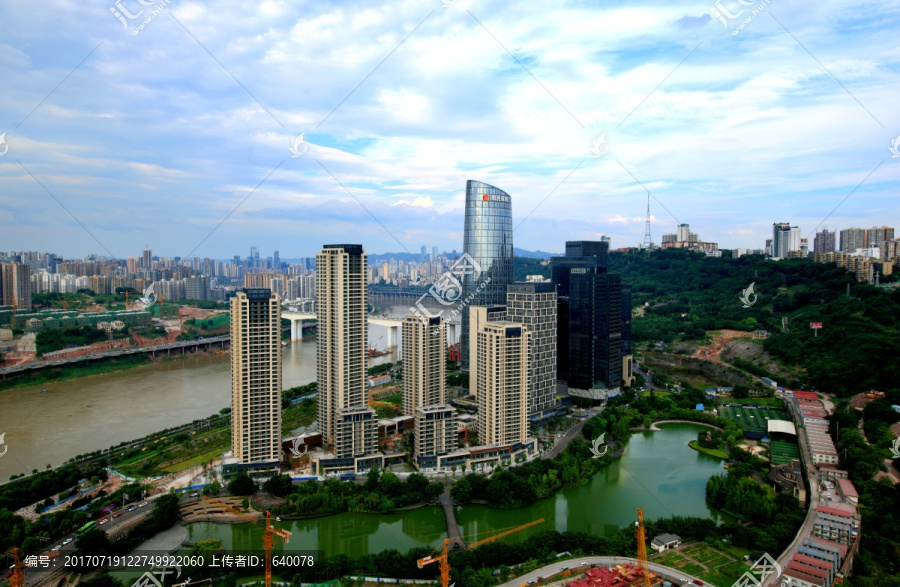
{"x":783,"y":452}
{"x":753,"y":419}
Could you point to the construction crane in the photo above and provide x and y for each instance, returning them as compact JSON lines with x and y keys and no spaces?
{"x":642,"y":547}
{"x":18,"y":576}
{"x":270,"y":530}
{"x":442,"y":559}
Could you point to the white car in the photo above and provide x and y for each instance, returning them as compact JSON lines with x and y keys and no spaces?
{"x":57,"y":547}
{"x":67,"y":541}
{"x":142,"y":504}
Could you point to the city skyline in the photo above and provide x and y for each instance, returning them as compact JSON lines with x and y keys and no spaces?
{"x":195,"y":152}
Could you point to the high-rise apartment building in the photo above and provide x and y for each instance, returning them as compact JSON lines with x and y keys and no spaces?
{"x":502,"y":382}
{"x":131,"y":265}
{"x":15,"y":285}
{"x":479,"y":315}
{"x":488,"y":241}
{"x":534,"y":306}
{"x":424,"y":362}
{"x":853,"y":239}
{"x":197,"y":287}
{"x":435,"y":434}
{"x":341,"y":336}
{"x":824,"y":242}
{"x":356,"y":432}
{"x":795,"y":243}
{"x":147,"y":259}
{"x":781,"y":240}
{"x":878,"y":237}
{"x":256,"y":378}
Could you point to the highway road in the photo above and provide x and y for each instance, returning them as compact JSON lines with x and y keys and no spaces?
{"x":132,"y":513}
{"x":598,"y":561}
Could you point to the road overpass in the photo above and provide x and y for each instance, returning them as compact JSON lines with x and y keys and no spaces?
{"x":178,"y":349}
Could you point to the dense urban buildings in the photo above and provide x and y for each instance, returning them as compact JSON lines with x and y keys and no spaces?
{"x":256,"y":379}
{"x":683,"y":238}
{"x":424,"y":351}
{"x":534,"y":306}
{"x":488,"y":240}
{"x":502,"y":382}
{"x":341,"y":346}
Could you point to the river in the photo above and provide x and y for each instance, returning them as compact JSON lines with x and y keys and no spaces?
{"x":91,"y":413}
{"x":658,"y":473}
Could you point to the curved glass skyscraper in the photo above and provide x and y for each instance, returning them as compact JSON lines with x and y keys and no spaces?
{"x":487,"y":239}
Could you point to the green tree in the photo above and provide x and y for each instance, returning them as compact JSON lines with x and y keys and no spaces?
{"x":242,"y":484}
{"x":278,"y":485}
{"x":93,"y":542}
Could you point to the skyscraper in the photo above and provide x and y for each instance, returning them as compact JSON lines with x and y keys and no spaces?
{"x":594,"y":336}
{"x":424,"y":362}
{"x":502,"y":382}
{"x":598,"y":249}
{"x":824,"y":242}
{"x":146,"y":259}
{"x":256,"y":378}
{"x":341,"y":334}
{"x":534,"y":306}
{"x":595,"y":331}
{"x":488,"y":240}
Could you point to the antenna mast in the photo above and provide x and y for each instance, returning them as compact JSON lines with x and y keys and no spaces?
{"x":648,"y":242}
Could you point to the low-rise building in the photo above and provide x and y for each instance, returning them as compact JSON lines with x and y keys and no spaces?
{"x":847,"y":491}
{"x":665,"y":542}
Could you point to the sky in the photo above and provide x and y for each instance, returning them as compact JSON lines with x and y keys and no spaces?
{"x":171,"y":123}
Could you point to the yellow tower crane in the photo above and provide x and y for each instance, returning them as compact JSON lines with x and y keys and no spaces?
{"x":642,"y":547}
{"x":270,"y":530}
{"x":442,"y":559}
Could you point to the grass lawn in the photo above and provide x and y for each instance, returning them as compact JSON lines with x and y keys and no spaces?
{"x":393,"y":399}
{"x":713,"y":452}
{"x":197,"y":460}
{"x":772,"y":402}
{"x":659,"y":393}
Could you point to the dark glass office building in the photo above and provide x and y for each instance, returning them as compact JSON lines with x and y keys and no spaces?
{"x":593,"y":331}
{"x":487,"y":238}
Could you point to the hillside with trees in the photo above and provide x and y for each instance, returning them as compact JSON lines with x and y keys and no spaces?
{"x":686,"y":295}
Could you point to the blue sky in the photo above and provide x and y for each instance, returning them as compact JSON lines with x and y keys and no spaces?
{"x":155,"y":135}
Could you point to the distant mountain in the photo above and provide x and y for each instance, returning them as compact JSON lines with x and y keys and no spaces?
{"x":379,"y":258}
{"x":534,"y":254}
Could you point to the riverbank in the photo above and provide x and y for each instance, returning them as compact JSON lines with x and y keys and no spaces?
{"x":53,"y":374}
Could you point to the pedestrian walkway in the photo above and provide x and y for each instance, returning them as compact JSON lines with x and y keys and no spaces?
{"x":453,"y":532}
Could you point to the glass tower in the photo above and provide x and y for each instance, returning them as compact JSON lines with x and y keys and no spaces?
{"x":487,"y":239}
